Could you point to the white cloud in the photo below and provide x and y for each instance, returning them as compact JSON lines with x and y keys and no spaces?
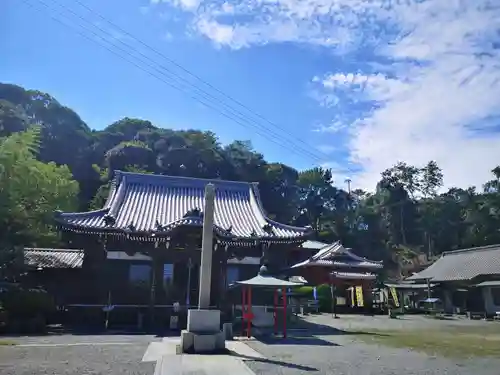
{"x":434,"y":74}
{"x":334,"y":127}
{"x":188,"y":5}
{"x":327,"y":149}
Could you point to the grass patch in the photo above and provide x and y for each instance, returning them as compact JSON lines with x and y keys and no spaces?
{"x":453,"y":343}
{"x":7,"y":343}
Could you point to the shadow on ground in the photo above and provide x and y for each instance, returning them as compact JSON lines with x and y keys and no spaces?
{"x":302,"y":325}
{"x":279,"y":363}
{"x":294,"y":339}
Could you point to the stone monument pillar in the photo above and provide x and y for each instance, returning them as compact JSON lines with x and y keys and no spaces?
{"x":207,"y":248}
{"x":203,"y":334}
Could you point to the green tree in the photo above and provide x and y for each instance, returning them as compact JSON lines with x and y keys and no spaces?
{"x":30,"y":192}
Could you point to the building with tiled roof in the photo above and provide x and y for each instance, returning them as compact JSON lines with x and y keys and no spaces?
{"x":151,"y":207}
{"x":467,"y":278}
{"x":148,"y":233}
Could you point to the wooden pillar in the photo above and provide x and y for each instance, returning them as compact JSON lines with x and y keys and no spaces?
{"x":275,"y":311}
{"x":284,"y":312}
{"x":223,"y":279}
{"x":155,"y":278}
{"x":249,"y":305}
{"x":243,"y":309}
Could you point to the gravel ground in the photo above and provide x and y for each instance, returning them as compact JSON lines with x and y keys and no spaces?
{"x":406,"y":322}
{"x":342,"y":355}
{"x":325,"y":352}
{"x":78,"y":355}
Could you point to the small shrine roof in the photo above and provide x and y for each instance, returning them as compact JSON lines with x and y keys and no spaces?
{"x":144,"y":204}
{"x":264,"y":279}
{"x":336,"y":255}
{"x":353,"y":275}
{"x":269,"y":281}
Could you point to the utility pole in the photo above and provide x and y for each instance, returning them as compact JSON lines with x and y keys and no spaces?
{"x":348,"y":182}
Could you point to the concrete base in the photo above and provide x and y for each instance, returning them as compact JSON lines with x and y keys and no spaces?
{"x":202,"y":343}
{"x":203,"y":334}
{"x":200,"y":321}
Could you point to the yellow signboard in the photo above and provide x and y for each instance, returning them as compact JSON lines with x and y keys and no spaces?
{"x":359,"y":296}
{"x":394,"y":295}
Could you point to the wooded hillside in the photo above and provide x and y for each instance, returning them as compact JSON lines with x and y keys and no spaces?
{"x":404,"y":215}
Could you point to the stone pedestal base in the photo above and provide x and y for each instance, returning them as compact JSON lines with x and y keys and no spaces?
{"x":203,"y":334}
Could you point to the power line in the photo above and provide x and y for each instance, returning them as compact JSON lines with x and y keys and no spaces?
{"x":198,"y":78}
{"x":230,"y":116}
{"x":297,"y":149}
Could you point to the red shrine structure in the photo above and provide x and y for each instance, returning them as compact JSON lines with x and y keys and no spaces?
{"x":340,"y":267}
{"x":264,"y":280}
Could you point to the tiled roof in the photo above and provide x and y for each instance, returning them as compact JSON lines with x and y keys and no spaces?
{"x":313,"y":245}
{"x":53,"y":258}
{"x":354,"y":275}
{"x":336,"y":255}
{"x":463,"y":264}
{"x":141,"y":203}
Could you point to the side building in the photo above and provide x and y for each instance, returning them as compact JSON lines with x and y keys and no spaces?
{"x":143,"y":247}
{"x":465,"y":280}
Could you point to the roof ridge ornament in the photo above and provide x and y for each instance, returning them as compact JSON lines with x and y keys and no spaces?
{"x":109,"y":220}
{"x":268,"y":228}
{"x":195,"y":212}
{"x":158,"y":226}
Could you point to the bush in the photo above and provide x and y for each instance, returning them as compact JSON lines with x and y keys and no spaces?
{"x":324,"y":298}
{"x":25,"y":309}
{"x":304,"y":291}
{"x":323,"y":293}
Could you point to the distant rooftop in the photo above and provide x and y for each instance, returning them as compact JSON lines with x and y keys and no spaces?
{"x":313,"y":245}
{"x":463,"y":265}
{"x":53,"y":258}
{"x":337,"y":256}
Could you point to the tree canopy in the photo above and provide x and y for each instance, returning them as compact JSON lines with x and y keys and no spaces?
{"x":50,"y":158}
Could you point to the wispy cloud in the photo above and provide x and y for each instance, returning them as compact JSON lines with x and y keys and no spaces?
{"x":327,"y":149}
{"x":433,"y":83}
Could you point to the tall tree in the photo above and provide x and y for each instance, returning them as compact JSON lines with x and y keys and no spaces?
{"x":30,"y":192}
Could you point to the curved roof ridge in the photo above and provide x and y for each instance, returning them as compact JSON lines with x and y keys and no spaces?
{"x":189,"y":181}
{"x":326,"y":250}
{"x":254,"y":191}
{"x":82,"y":214}
{"x":360,"y":258}
{"x":470,"y":249}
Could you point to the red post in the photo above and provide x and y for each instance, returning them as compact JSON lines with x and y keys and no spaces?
{"x":243,"y":313}
{"x":284,"y":313}
{"x":249,"y":321}
{"x":275,"y":311}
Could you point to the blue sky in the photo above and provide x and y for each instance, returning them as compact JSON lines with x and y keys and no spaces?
{"x":360,"y":84}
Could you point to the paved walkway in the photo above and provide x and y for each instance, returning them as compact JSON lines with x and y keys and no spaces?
{"x":163,"y":353}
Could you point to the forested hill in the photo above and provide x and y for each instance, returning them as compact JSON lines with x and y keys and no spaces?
{"x":405,"y":214}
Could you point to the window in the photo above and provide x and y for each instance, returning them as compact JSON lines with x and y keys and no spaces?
{"x":139,"y":273}
{"x":232,"y":274}
{"x":168,"y":274}
{"x":495,"y":294}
